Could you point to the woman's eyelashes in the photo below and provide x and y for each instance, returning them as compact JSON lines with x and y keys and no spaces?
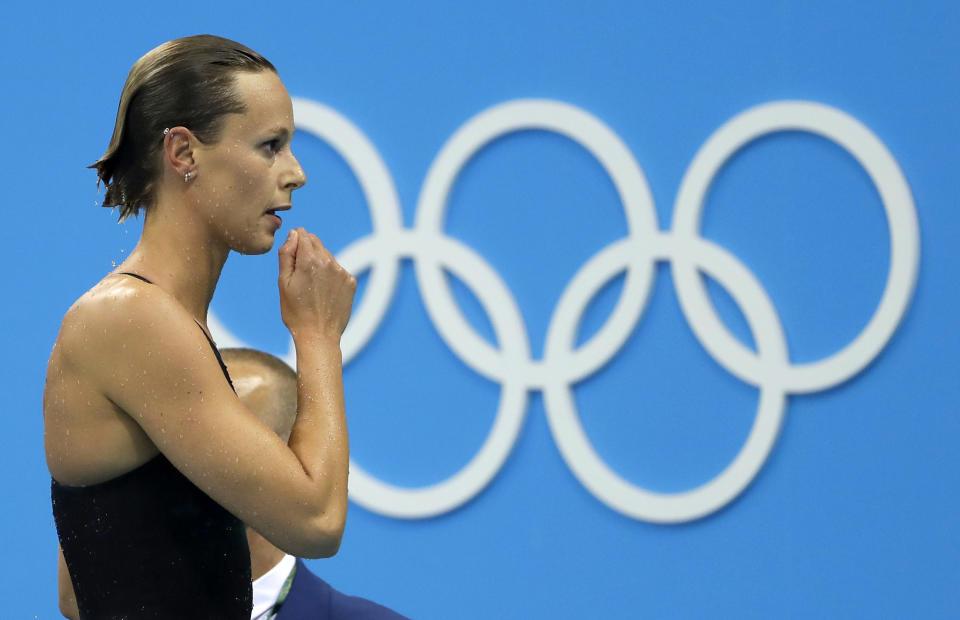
{"x":272,"y":146}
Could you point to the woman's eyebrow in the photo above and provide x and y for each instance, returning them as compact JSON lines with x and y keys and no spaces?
{"x":280,"y":132}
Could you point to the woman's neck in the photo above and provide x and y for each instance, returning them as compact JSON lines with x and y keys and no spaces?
{"x":181,"y":257}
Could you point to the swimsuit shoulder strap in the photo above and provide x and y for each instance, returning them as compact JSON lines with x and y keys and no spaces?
{"x":213,"y":346}
{"x":134,"y":275}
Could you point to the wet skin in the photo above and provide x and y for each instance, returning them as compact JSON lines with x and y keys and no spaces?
{"x":131,"y":373}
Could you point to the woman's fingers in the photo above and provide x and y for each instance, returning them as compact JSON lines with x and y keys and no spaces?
{"x":288,"y":255}
{"x":316,"y":291}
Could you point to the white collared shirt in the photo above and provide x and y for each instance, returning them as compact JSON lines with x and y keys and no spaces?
{"x":267,"y":588}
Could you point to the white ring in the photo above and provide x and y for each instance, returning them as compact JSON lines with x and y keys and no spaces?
{"x":860,"y":142}
{"x":627,"y":176}
{"x":630,"y":499}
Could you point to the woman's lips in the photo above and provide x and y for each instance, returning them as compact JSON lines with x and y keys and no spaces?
{"x":272,"y":214}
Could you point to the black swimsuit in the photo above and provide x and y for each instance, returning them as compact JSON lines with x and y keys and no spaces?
{"x":150,"y":544}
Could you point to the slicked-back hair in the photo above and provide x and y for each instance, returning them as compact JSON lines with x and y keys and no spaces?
{"x":186,"y":82}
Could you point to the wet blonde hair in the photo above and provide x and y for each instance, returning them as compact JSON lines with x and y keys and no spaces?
{"x":186,"y":82}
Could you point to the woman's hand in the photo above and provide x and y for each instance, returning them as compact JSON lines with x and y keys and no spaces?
{"x":316,"y":293}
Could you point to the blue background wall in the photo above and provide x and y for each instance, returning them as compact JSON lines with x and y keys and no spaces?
{"x":853,"y":515}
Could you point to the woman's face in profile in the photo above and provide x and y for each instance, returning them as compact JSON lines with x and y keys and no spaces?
{"x":245,"y":180}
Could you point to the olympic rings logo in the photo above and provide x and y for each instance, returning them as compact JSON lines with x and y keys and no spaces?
{"x":431,"y":251}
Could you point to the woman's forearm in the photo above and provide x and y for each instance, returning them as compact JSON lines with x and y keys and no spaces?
{"x":319,"y":437}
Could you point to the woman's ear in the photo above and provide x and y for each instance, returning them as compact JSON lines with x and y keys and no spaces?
{"x":178,"y":145}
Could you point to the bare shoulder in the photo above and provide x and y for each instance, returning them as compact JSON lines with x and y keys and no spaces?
{"x":131,"y":358}
{"x":88,"y":436}
{"x":115,"y":302}
{"x":117,"y":315}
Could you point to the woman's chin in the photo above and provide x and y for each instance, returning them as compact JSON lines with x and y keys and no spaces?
{"x":253,"y":248}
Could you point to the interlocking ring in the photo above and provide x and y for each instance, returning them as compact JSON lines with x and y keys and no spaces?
{"x":769,"y":368}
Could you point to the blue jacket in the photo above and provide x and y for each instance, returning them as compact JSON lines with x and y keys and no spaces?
{"x":312,"y":598}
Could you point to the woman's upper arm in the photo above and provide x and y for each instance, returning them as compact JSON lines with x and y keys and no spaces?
{"x":148,"y":356}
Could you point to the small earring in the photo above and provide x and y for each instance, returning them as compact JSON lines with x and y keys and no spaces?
{"x":166,"y":130}
{"x":187,"y":176}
